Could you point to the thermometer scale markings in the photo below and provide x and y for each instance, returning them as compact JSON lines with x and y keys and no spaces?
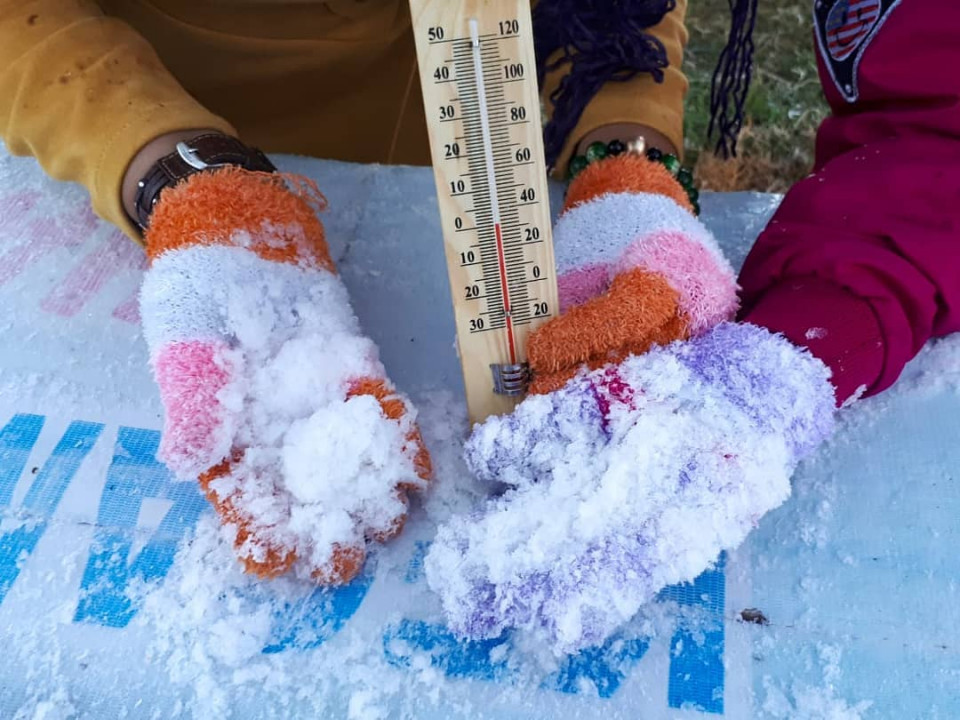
{"x":497,"y":224}
{"x":492,"y":183}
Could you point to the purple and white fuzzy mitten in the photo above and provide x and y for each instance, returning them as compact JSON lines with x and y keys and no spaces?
{"x":630,"y":478}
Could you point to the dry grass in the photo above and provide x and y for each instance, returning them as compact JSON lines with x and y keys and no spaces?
{"x":754,"y":168}
{"x":783,"y":109}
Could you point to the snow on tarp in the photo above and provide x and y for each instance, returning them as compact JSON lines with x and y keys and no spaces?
{"x":120,"y":598}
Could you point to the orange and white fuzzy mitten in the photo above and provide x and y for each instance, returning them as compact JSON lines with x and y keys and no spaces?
{"x":635,"y":268}
{"x":274,"y":398}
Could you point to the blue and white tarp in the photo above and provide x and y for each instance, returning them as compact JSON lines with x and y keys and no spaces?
{"x":120,"y":598}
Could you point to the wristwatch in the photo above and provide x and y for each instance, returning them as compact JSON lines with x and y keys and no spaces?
{"x":203,"y":152}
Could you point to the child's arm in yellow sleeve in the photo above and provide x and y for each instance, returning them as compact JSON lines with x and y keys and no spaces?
{"x":639,"y":101}
{"x":83,"y":92}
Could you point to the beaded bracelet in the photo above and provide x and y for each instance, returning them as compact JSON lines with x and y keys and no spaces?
{"x":599,"y":150}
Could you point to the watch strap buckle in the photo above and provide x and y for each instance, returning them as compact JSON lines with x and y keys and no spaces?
{"x":190,"y":157}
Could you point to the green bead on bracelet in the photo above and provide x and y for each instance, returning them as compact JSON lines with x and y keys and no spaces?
{"x":597,"y":151}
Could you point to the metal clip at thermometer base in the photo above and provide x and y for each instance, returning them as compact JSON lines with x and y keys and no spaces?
{"x":479,"y":81}
{"x":511,"y":380}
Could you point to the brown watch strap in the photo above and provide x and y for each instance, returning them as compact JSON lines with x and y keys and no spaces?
{"x":204,"y":152}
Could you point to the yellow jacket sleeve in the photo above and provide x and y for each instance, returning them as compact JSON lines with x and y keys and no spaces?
{"x":83,"y":93}
{"x":641,"y":100}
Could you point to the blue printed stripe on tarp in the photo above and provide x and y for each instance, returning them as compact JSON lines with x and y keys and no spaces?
{"x":44,"y":495}
{"x":696,"y":655}
{"x":16,"y":442}
{"x":134,"y":475}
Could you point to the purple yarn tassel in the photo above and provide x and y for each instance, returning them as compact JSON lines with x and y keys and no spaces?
{"x":604,"y":41}
{"x":731,"y":79}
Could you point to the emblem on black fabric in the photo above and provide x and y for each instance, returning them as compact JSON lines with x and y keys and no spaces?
{"x":845,"y":28}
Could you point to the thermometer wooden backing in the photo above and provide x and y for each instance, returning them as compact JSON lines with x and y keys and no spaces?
{"x":479,"y":81}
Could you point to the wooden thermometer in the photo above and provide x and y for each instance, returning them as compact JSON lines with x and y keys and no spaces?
{"x":479,"y":78}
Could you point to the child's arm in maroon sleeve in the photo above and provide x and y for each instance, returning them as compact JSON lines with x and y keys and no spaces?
{"x":861,"y":263}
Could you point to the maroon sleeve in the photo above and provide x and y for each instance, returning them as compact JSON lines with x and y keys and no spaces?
{"x":861,"y":263}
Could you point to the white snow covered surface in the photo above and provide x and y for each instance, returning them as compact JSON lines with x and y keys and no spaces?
{"x":119,"y":596}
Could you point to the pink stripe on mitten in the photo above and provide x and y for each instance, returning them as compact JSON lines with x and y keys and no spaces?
{"x":191,"y":376}
{"x":582,"y":284}
{"x":706,"y":288}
